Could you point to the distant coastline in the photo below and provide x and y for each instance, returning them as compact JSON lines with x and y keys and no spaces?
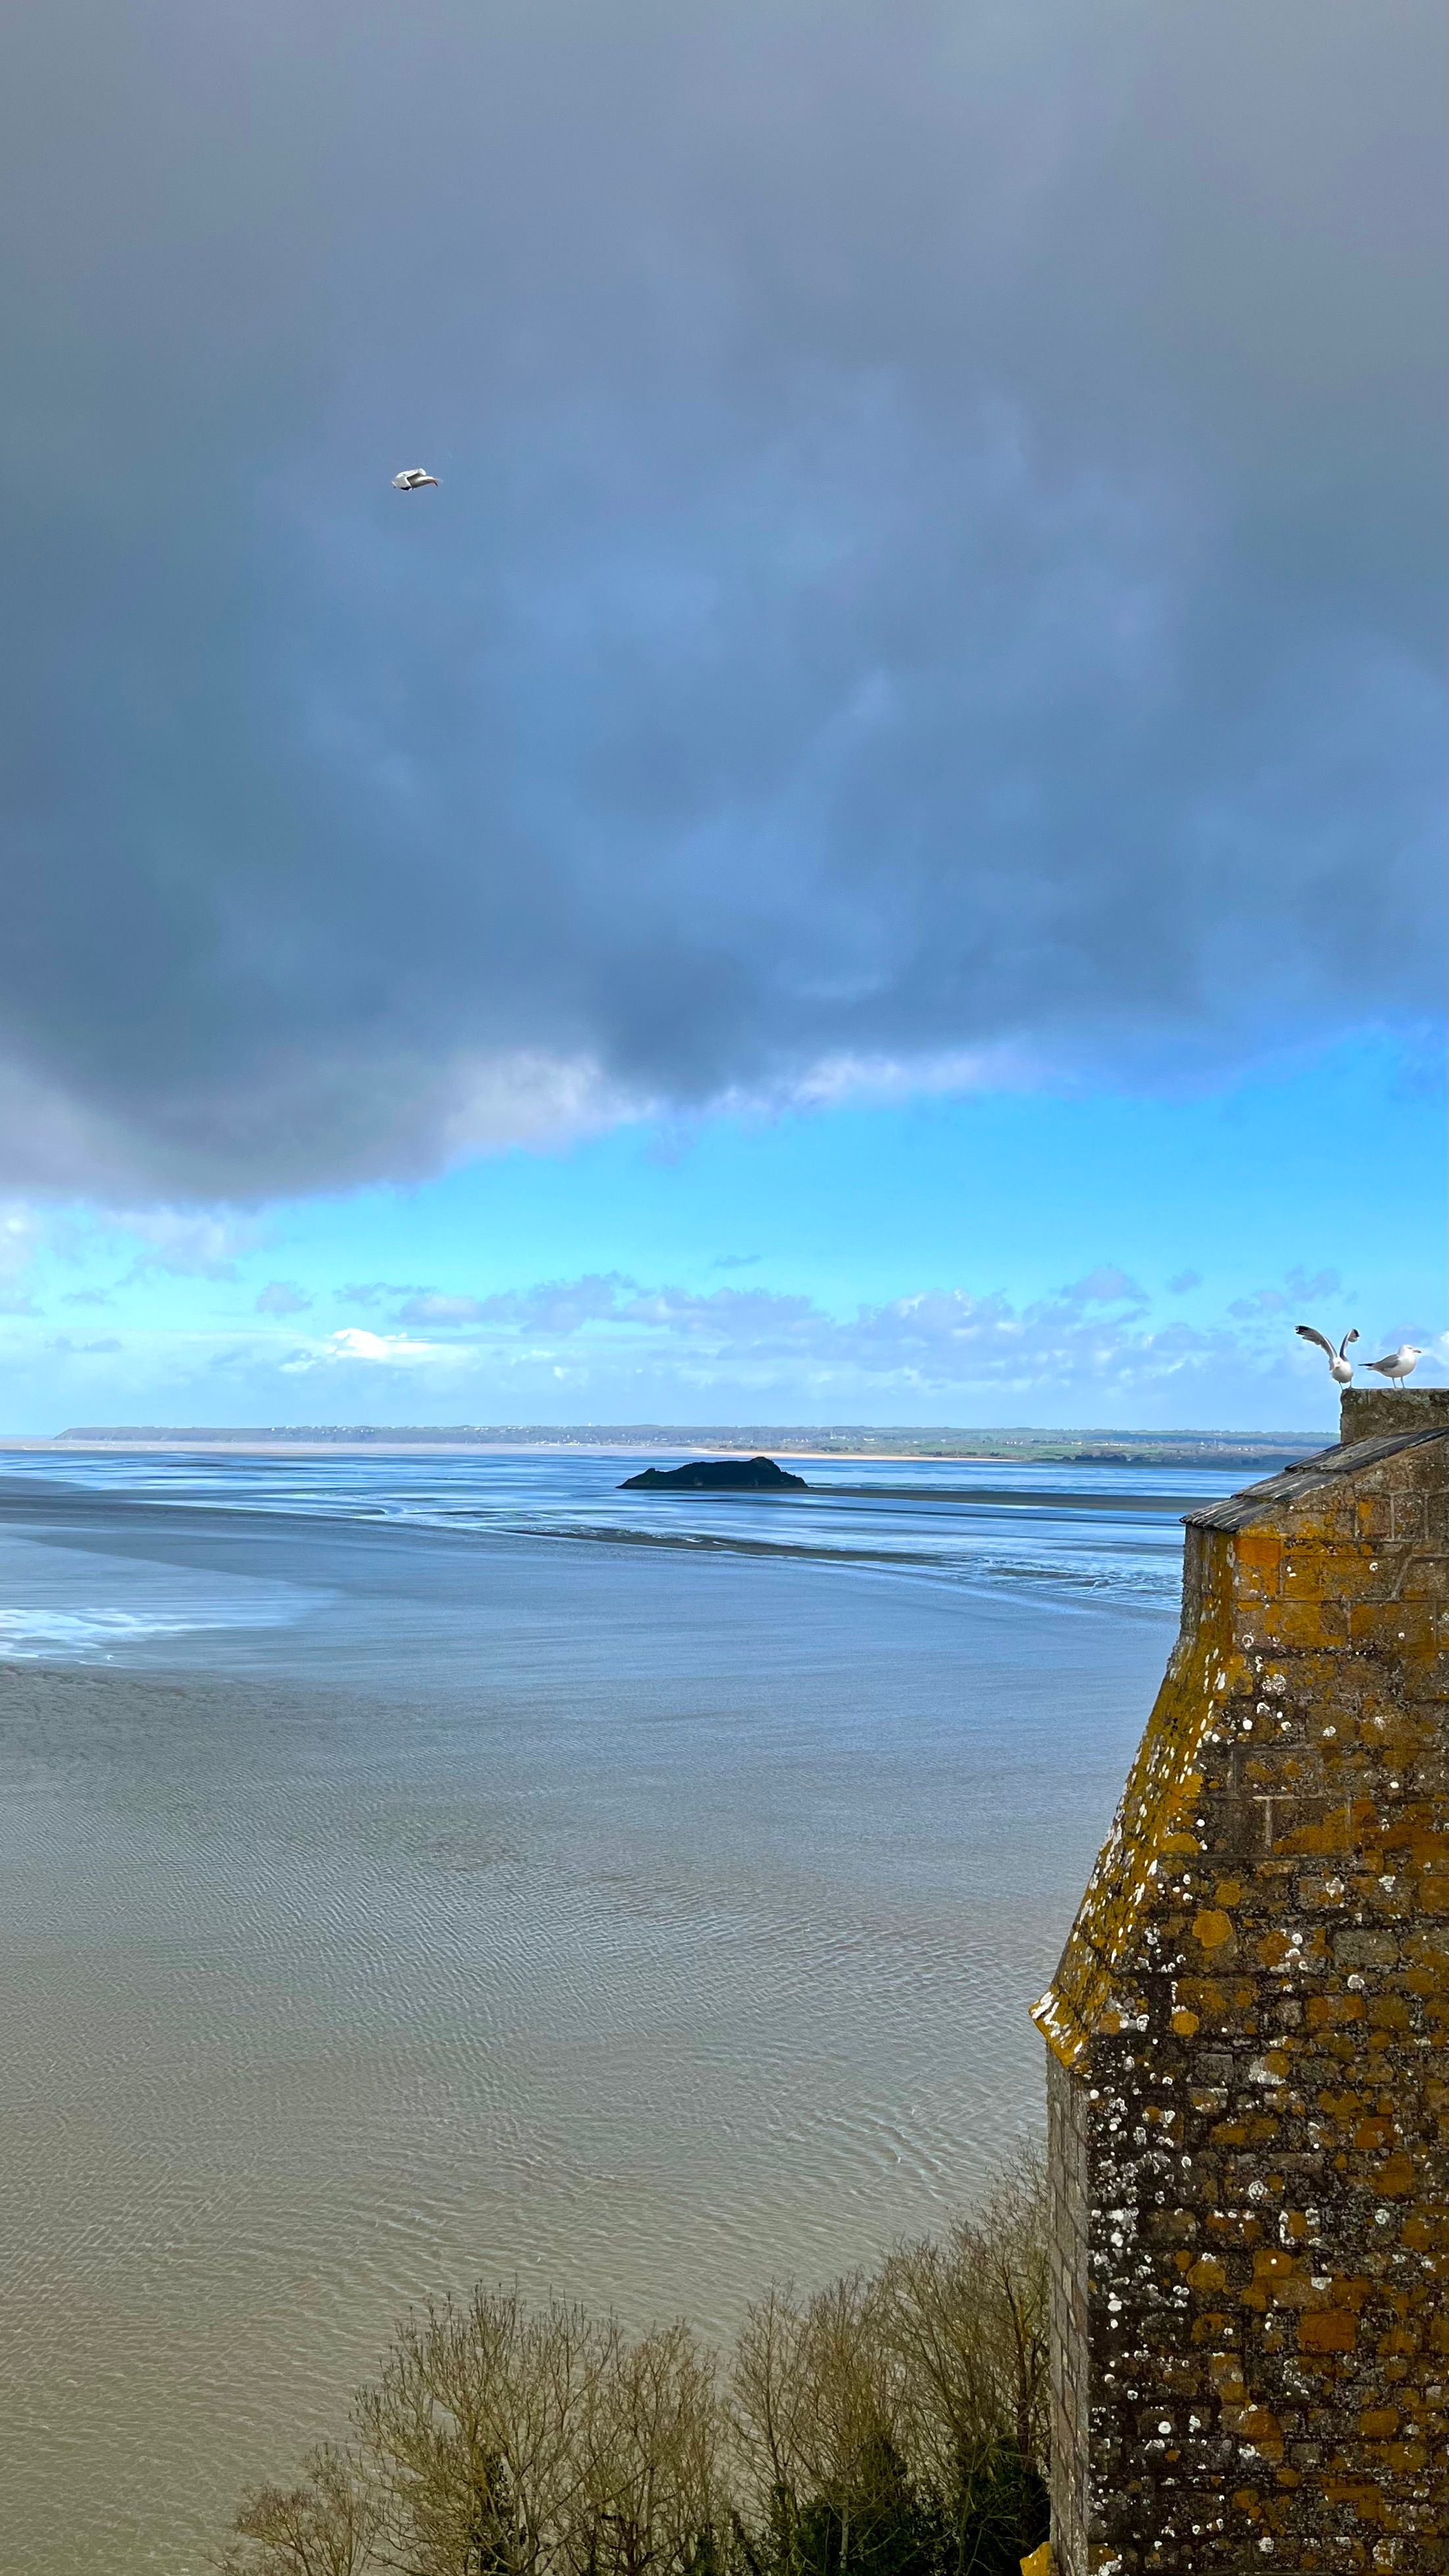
{"x":898,"y":1443}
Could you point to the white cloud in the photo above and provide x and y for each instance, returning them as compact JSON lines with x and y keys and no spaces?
{"x":281,"y":1297}
{"x":1105,"y":1287}
{"x":1299,"y":1289}
{"x":390,"y":1350}
{"x":430,"y":1307}
{"x":20,"y":1239}
{"x":553,"y":1306}
{"x":941,"y":1349}
{"x":187,"y":1243}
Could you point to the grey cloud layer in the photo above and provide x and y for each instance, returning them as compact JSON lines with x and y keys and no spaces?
{"x":933,"y":565}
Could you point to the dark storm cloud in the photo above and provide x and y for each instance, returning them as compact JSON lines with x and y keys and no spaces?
{"x":934,"y":574}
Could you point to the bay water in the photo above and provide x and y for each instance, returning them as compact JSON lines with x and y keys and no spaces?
{"x":425,"y":1868}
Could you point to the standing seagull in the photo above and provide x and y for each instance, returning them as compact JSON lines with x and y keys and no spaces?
{"x":1340,"y":1366}
{"x":1399,"y":1364}
{"x":415,"y":479}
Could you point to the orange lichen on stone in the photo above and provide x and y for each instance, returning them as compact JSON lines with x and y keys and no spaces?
{"x":1261,"y":1551}
{"x":1157,"y":1804}
{"x":1396,"y":2176}
{"x":1328,"y":2330}
{"x":1246,"y":2081}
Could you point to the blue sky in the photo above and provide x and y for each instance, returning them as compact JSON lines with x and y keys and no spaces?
{"x":873,"y":851}
{"x":1002,"y":1259}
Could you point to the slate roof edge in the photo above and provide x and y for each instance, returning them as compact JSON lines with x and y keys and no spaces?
{"x":1256,"y":1501}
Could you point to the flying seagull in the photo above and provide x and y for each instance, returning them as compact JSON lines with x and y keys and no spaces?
{"x":1340,"y":1366}
{"x":414,"y":479}
{"x":1399,"y":1364}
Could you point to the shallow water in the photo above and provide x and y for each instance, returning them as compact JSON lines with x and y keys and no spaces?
{"x":397,"y":1891}
{"x":1084,"y":1531}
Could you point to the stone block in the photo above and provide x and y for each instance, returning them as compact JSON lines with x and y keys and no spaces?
{"x":1391,"y":1412}
{"x":1247,"y":2206}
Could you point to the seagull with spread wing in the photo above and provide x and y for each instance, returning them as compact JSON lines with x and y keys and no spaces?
{"x":1399,"y":1364}
{"x":414,"y":478}
{"x":1340,"y":1366}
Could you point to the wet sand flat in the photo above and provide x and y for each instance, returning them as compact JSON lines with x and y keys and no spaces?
{"x":634,"y":1922}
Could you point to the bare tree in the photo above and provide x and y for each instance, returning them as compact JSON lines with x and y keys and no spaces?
{"x":967,"y":2316}
{"x":967,"y":2319}
{"x":893,"y":2424}
{"x":325,"y":2526}
{"x":474,"y":2436}
{"x":817,"y":2422}
{"x":648,"y":2500}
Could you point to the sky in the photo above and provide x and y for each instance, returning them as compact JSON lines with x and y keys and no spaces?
{"x":873,"y":852}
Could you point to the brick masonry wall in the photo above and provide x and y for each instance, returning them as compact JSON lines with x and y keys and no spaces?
{"x":1247,"y":2094}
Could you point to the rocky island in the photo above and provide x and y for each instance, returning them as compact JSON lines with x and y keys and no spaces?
{"x":719,"y":1476}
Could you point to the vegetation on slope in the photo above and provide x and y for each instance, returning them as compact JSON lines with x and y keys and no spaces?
{"x":894,"y":2424}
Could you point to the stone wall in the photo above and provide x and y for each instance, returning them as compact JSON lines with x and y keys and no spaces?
{"x":1069,"y":2168}
{"x":1247,"y":2079}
